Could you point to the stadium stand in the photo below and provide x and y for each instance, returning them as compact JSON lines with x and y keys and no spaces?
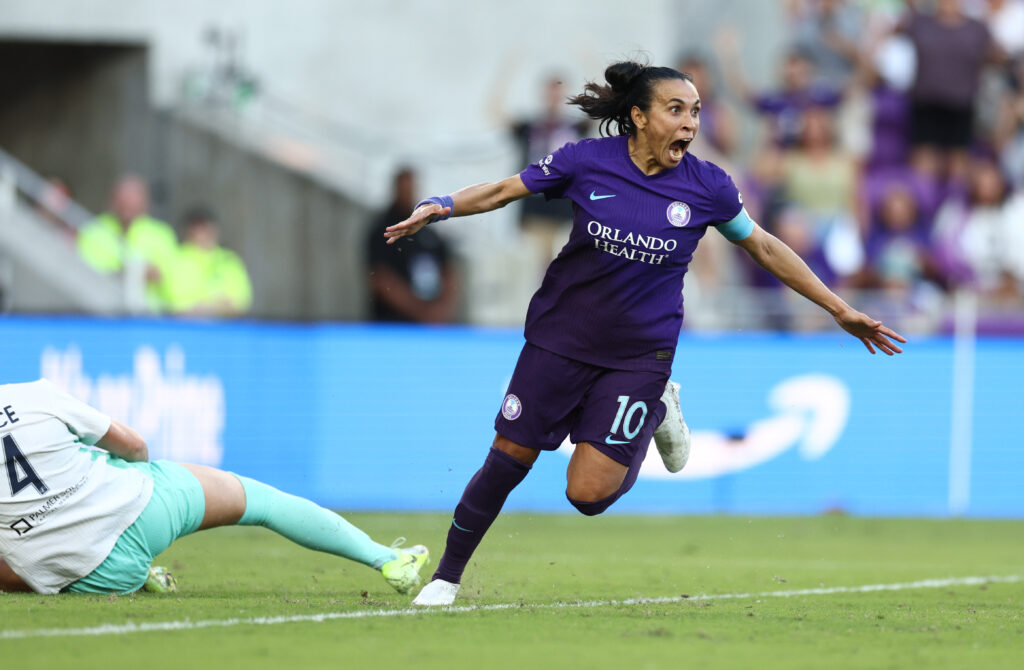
{"x":296,"y":187}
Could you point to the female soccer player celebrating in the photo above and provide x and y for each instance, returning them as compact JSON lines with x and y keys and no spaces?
{"x":602,"y":329}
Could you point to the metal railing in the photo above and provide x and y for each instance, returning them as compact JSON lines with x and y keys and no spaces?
{"x":18,"y":179}
{"x":39,"y":210}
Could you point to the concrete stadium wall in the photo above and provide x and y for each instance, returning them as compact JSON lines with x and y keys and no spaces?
{"x":409,"y":82}
{"x":303,"y":242}
{"x":81,"y":112}
{"x":369,"y":64}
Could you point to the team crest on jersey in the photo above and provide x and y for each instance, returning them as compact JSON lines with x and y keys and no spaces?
{"x":678,"y":214}
{"x":512,"y":408}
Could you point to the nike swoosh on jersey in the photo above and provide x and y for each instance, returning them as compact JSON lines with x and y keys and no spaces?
{"x":611,"y":440}
{"x":594,"y":196}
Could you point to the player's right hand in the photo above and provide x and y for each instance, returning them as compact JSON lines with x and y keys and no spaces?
{"x":420,"y":217}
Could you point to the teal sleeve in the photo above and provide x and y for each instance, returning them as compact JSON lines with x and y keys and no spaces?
{"x":739,"y":228}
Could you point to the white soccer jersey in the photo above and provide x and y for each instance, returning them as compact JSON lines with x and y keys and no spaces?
{"x":62,"y":505}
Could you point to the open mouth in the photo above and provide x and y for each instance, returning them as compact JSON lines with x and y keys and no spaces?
{"x":677,"y":149}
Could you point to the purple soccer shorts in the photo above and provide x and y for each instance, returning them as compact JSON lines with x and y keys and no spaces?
{"x":551,"y":396}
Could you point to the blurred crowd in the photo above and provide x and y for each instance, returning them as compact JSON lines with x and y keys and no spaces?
{"x":888,"y":152}
{"x":192,"y":276}
{"x":891,"y":154}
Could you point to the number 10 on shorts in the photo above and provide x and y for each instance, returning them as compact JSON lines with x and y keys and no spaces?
{"x":627,"y":418}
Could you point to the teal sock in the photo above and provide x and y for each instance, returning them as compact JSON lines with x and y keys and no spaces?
{"x":306,"y":523}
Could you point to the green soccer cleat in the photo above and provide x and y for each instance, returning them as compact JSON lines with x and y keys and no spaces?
{"x":160,"y":581}
{"x":403,"y":573}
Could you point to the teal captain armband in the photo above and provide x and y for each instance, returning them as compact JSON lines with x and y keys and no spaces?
{"x":739,"y":228}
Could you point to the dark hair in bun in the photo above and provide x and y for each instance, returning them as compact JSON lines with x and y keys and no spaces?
{"x":630,"y":84}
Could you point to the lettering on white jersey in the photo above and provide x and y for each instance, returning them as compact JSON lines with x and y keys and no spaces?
{"x":49,"y":506}
{"x":8,"y":416}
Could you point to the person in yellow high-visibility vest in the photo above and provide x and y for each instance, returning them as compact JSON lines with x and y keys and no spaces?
{"x":127,"y":231}
{"x":205,"y":278}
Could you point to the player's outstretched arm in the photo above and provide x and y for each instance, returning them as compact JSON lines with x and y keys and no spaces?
{"x":773,"y":255}
{"x":123,"y":441}
{"x":467,"y":201}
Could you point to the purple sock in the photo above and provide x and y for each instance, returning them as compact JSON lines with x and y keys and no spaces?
{"x":478,"y":508}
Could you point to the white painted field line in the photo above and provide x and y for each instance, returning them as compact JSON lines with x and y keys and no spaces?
{"x":120,"y":629}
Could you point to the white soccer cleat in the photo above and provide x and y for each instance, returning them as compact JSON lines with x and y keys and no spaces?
{"x":672,"y":437}
{"x":437,"y":593}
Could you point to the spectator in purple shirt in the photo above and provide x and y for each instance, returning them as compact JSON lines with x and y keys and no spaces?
{"x":880,"y":74}
{"x":898,"y":250}
{"x":601,"y":331}
{"x":951,"y":50}
{"x":783,"y":108}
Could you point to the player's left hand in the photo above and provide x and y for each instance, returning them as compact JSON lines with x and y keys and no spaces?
{"x":872,"y":333}
{"x":420,"y":217}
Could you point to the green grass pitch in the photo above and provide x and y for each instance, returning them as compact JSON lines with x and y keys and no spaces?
{"x":558,"y":574}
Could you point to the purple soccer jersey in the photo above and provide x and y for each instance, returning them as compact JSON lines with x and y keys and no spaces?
{"x":613,"y":296}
